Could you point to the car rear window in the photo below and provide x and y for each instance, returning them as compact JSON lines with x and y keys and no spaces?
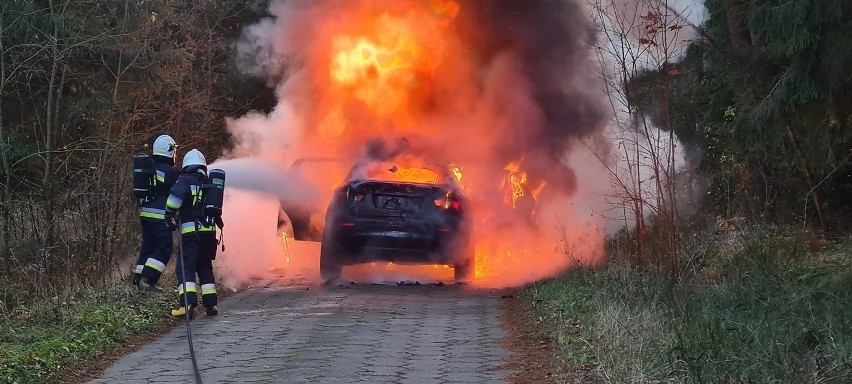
{"x":396,"y":173}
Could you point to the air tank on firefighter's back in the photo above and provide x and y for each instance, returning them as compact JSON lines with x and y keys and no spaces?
{"x":214,"y":193}
{"x":143,"y":172}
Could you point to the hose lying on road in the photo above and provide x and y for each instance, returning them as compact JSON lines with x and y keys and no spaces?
{"x":188,"y":314}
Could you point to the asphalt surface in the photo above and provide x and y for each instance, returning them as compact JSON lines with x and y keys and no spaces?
{"x":361,"y":333}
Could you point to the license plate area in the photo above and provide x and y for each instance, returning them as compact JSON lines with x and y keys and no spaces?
{"x":397,"y":203}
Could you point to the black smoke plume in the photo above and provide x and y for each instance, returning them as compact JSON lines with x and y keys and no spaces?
{"x":549,"y":40}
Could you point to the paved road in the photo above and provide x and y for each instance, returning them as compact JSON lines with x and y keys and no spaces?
{"x":342,"y":334}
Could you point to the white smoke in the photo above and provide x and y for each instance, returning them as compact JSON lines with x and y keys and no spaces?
{"x":254,"y":251}
{"x":642,"y":160}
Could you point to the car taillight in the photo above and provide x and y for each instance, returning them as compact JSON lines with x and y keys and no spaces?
{"x":354,"y":197}
{"x":448,"y":203}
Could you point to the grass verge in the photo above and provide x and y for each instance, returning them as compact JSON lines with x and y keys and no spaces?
{"x":773,"y":312}
{"x":47,"y":341}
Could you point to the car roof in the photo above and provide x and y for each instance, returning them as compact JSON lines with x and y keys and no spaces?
{"x":443,"y":170}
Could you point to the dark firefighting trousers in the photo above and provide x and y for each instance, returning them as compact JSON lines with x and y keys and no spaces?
{"x":199,"y":251}
{"x":155,"y":252}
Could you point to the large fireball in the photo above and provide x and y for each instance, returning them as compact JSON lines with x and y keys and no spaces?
{"x":497,"y":89}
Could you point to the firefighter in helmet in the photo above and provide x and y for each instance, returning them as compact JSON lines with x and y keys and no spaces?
{"x":156,"y":239}
{"x":198,"y":237}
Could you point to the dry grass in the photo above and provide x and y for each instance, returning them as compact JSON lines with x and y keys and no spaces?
{"x":777,"y":310}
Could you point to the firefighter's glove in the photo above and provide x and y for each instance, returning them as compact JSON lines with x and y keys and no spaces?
{"x":219,"y":222}
{"x":170,"y":223}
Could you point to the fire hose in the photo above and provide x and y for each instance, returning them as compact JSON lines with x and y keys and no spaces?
{"x":188,"y":313}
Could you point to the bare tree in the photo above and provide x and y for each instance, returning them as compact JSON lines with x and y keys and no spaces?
{"x":642,"y":38}
{"x":4,"y":158}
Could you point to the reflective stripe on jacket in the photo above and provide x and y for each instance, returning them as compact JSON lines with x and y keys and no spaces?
{"x":152,"y":213}
{"x":191,"y":226}
{"x":185,"y":199}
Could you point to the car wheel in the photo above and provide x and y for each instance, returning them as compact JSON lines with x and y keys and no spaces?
{"x":330,"y":268}
{"x":464,"y":271}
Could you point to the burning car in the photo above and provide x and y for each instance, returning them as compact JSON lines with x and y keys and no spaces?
{"x":401,"y":213}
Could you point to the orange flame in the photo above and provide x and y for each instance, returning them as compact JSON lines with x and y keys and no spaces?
{"x":457,"y":172}
{"x":517,"y":182}
{"x":377,"y":69}
{"x":377,"y":75}
{"x":412,"y":174}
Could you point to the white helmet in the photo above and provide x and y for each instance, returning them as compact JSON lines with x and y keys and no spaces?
{"x":194,"y":157}
{"x":165,"y":146}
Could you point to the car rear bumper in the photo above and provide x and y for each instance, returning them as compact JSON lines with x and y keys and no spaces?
{"x":359,"y":246}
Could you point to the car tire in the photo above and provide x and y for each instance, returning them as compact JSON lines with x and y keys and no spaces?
{"x":330,"y":267}
{"x":464,"y":271}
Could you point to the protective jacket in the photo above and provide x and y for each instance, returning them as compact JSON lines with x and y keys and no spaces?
{"x":164,"y":179}
{"x":185,"y":200}
{"x":198,"y":238}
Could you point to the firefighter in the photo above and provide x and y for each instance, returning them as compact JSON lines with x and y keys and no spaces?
{"x":198,"y":237}
{"x":156,"y":239}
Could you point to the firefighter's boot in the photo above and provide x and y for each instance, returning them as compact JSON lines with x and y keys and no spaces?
{"x":181,"y":312}
{"x":212,"y":310}
{"x":148,"y":287}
